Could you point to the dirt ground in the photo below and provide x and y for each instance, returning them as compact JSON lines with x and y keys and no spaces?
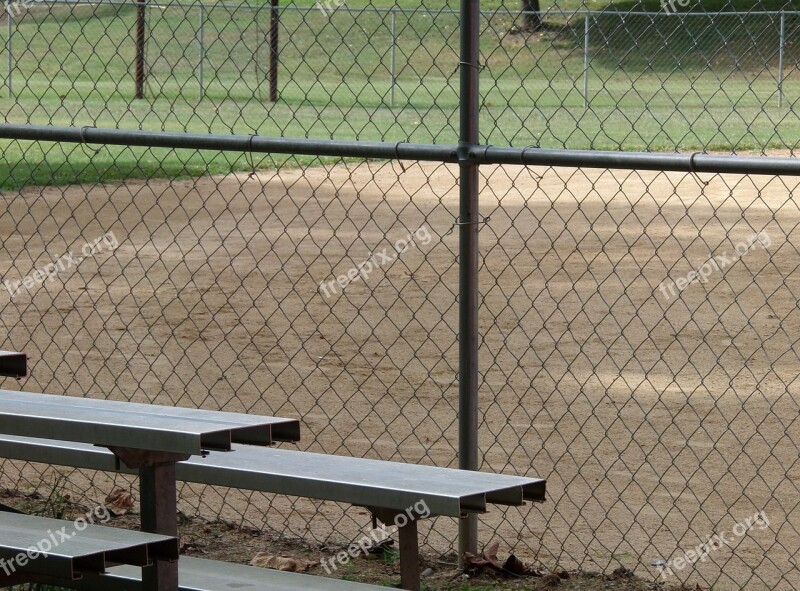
{"x":220,"y":540}
{"x":658,"y":417}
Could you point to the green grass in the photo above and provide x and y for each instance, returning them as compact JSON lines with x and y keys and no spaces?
{"x":73,"y":66}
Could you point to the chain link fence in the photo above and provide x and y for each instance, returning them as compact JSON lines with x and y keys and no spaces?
{"x":620,"y":78}
{"x":638,"y":325}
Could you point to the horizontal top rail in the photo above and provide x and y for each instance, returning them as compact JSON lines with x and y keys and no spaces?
{"x":137,"y":426}
{"x":673,"y":162}
{"x":697,"y":162}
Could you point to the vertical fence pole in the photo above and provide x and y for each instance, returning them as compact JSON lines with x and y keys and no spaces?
{"x":201,"y":37}
{"x":274,"y":17}
{"x":8,"y":49}
{"x":780,"y":60}
{"x":394,"y":44}
{"x":586,"y":60}
{"x":469,"y":218}
{"x":257,"y":70}
{"x":140,"y":16}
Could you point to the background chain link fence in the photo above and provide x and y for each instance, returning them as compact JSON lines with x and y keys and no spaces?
{"x":661,"y":405}
{"x":627,"y":77}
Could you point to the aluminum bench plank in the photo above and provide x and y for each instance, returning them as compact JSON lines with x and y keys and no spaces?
{"x":358,"y":481}
{"x":139,"y":426}
{"x":70,"y":552}
{"x":197,"y":574}
{"x":60,"y":453}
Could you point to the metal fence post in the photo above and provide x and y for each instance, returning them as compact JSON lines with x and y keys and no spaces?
{"x":257,"y":71}
{"x":140,"y":31}
{"x":468,"y":222}
{"x":8,"y":49}
{"x":780,"y":60}
{"x":586,"y":60}
{"x":201,"y":36}
{"x":274,"y":17}
{"x":394,"y":44}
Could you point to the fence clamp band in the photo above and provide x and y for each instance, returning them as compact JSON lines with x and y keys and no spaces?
{"x":458,"y":222}
{"x":83,"y":133}
{"x":84,"y":141}
{"x":397,"y":154}
{"x":693,"y":168}
{"x":538,"y":177}
{"x":477,"y":66}
{"x":526,"y":148}
{"x":249,"y":153}
{"x":483,"y":157}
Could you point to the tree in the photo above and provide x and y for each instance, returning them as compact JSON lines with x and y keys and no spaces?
{"x":531,"y":19}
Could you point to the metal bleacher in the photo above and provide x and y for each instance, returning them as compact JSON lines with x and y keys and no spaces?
{"x":167,"y":444}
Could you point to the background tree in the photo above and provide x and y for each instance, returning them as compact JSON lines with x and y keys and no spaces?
{"x":532,"y":19}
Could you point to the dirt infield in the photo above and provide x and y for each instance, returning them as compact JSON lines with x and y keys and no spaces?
{"x":659,"y":415}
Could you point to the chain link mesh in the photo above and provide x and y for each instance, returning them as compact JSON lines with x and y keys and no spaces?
{"x":661,"y":408}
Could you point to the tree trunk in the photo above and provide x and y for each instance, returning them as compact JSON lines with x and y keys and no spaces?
{"x":531,"y":19}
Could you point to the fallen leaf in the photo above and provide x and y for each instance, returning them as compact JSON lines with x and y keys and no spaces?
{"x":488,"y":558}
{"x":515,"y":566}
{"x":119,"y":502}
{"x":287,"y":563}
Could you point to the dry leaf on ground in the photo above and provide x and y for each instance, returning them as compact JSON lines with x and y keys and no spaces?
{"x":119,"y":502}
{"x":488,"y":558}
{"x":287,"y":563}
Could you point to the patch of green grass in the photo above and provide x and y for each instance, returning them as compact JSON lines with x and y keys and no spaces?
{"x":74,"y":66}
{"x":390,"y":555}
{"x":57,"y":501}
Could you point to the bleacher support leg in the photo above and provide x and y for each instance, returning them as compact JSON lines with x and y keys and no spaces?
{"x":159,"y":510}
{"x":159,"y":507}
{"x":409,"y":545}
{"x":409,"y":556}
